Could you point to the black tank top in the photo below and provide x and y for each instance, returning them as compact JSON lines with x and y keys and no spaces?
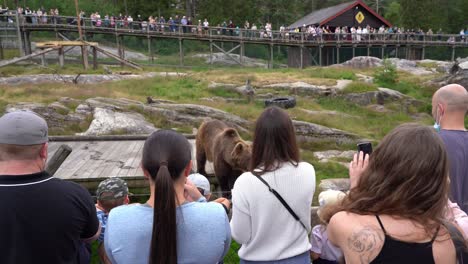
{"x":395,"y":251}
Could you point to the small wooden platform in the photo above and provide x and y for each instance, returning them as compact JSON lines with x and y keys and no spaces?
{"x":93,"y":161}
{"x":49,"y":44}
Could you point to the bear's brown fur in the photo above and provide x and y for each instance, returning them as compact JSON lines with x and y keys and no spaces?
{"x":223,"y":146}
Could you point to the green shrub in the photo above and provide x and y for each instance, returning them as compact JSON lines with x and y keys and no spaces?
{"x":387,"y":75}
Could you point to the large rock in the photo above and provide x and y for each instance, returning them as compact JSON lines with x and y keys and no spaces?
{"x":222,"y":59}
{"x":310,"y":132}
{"x":301,"y":88}
{"x":363,"y":62}
{"x":382,"y":96}
{"x":81,"y":79}
{"x":59,"y":118}
{"x":330,"y":155}
{"x":410,"y":67}
{"x":174,"y":114}
{"x":108,"y":122}
{"x":458,"y":74}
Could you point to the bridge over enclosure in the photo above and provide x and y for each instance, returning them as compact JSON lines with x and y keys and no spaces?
{"x":303,"y":49}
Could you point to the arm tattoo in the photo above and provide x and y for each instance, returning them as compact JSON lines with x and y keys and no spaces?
{"x":365,"y":242}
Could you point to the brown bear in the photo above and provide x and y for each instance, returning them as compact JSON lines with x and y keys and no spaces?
{"x":223,"y":146}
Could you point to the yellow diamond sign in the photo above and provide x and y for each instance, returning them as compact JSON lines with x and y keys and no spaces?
{"x":360,"y":17}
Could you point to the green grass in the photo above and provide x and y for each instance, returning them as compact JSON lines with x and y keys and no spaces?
{"x":359,"y":87}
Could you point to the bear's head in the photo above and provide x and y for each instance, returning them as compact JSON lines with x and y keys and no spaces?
{"x":241,"y":155}
{"x":241,"y":151}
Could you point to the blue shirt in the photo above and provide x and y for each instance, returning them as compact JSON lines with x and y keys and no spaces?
{"x":203,"y":233}
{"x":102,"y":217}
{"x":456,"y":143}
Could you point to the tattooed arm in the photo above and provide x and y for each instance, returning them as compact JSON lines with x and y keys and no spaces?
{"x":359,"y":242}
{"x":366,"y":242}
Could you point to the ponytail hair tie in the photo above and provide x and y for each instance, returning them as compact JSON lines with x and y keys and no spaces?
{"x":163,"y":163}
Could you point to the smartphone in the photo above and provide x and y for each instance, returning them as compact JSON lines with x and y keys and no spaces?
{"x":365,"y":147}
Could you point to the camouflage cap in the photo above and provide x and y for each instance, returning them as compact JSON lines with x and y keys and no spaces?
{"x":112,"y":188}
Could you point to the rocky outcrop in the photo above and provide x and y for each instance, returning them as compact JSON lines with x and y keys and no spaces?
{"x":363,"y":62}
{"x":222,"y":59}
{"x":381,"y":97}
{"x":458,"y":74}
{"x":301,"y":88}
{"x":108,"y":122}
{"x":330,"y":155}
{"x":412,"y":67}
{"x":335,"y":184}
{"x":310,"y":132}
{"x":59,"y":118}
{"x":174,"y":114}
{"x":81,"y":79}
{"x":327,"y":113}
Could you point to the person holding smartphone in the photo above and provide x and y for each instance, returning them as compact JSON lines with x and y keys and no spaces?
{"x":395,"y":209}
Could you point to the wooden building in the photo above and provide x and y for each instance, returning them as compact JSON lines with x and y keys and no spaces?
{"x":350,"y":14}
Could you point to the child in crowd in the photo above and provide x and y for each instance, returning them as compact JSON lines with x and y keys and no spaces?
{"x":110,"y":193}
{"x":322,"y":251}
{"x":203,"y":185}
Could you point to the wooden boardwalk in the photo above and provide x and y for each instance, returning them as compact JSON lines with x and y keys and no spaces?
{"x":92,"y":161}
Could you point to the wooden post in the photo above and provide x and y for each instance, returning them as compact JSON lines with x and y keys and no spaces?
{"x":95,"y":57}
{"x":150,"y":52}
{"x":18,"y":32}
{"x":1,"y":50}
{"x":354,"y":51}
{"x":453,"y":53}
{"x":57,"y":160}
{"x":368,"y":51}
{"x":423,"y":55}
{"x":301,"y":56}
{"x":61,"y":57}
{"x":396,"y":52}
{"x":121,"y":49}
{"x":43,"y":60}
{"x":383,"y":52}
{"x":320,"y":55}
{"x":337,"y":54}
{"x":181,"y":52}
{"x":84,"y":54}
{"x":242,"y":52}
{"x":271,"y":56}
{"x":211,"y":52}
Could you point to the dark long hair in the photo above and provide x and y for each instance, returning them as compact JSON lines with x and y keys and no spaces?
{"x":165,"y":156}
{"x":407,"y":177}
{"x":274,"y":141}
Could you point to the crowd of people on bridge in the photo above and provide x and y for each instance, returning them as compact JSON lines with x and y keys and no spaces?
{"x":184,"y":24}
{"x":407,"y":202}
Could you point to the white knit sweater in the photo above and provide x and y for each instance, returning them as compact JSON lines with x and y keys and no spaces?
{"x":264,"y":227}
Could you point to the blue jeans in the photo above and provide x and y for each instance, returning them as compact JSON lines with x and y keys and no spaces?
{"x":303,"y":258}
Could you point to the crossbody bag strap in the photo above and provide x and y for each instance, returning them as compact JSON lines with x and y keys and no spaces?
{"x":283,"y":202}
{"x":458,"y":242}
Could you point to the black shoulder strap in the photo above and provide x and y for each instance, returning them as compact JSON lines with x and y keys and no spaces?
{"x":458,"y":242}
{"x":285,"y":204}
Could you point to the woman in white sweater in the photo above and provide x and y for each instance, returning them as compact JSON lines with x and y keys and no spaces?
{"x":260,"y":222}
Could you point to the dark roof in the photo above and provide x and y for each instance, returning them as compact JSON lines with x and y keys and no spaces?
{"x":322,"y":16}
{"x":316,"y":17}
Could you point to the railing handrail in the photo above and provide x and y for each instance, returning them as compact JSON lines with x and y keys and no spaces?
{"x":241,"y":33}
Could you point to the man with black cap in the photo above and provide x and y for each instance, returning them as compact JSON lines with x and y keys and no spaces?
{"x":44,"y":219}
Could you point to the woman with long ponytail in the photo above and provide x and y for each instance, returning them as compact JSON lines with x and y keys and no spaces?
{"x":169,"y":228}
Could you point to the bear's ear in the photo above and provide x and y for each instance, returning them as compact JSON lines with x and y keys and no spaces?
{"x":231,"y":132}
{"x":238,"y":149}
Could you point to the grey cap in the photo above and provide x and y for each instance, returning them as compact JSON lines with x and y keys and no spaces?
{"x":23,"y":128}
{"x":112,"y":188}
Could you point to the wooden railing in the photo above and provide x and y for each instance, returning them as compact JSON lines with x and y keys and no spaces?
{"x":120,"y":27}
